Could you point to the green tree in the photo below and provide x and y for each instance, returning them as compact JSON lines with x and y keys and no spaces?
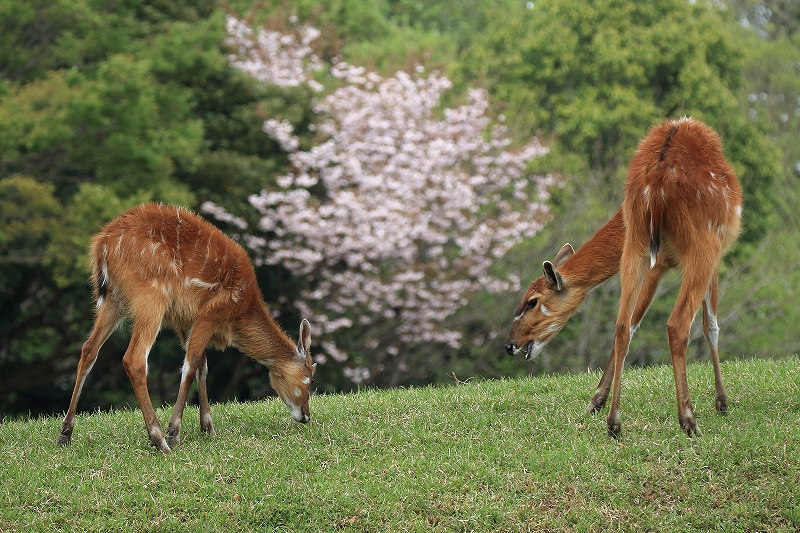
{"x":99,"y":110}
{"x":598,"y":75}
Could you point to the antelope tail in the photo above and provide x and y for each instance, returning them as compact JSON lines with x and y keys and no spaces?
{"x":100,"y":270}
{"x":655,"y":234}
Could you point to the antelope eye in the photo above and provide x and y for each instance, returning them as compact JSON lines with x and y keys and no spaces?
{"x":532,"y":303}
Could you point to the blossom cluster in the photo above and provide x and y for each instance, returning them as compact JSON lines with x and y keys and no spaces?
{"x":397,"y":214}
{"x":273,"y":57}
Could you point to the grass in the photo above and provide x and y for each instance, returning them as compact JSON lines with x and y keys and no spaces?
{"x":511,"y":455}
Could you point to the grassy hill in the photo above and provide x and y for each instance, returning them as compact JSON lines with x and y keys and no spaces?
{"x":514,"y":455}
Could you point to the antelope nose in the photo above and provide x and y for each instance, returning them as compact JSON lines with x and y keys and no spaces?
{"x":510,"y":349}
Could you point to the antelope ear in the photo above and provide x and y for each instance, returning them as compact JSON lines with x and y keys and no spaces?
{"x":305,"y":337}
{"x":554,"y":279}
{"x":563,"y":254}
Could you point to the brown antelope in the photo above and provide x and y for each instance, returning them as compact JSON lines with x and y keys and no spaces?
{"x":682,"y":209}
{"x":162,"y":265}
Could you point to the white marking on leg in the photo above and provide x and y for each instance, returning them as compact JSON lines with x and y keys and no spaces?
{"x":713,"y":325}
{"x":184,"y":370}
{"x":202,"y":373}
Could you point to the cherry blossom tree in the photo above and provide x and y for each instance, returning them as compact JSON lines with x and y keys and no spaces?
{"x":396,"y":214}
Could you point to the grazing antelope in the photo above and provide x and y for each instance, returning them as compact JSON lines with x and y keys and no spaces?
{"x":162,"y":265}
{"x":682,"y":209}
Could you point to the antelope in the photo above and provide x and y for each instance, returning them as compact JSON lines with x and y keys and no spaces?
{"x":682,"y":209}
{"x":163,"y":265}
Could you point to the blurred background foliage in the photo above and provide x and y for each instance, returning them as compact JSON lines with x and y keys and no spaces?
{"x":105,"y":104}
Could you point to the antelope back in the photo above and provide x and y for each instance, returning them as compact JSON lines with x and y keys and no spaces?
{"x":163,"y":257}
{"x":681,"y":189}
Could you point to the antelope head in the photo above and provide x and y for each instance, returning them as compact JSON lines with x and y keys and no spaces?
{"x":292,"y":380}
{"x":547,"y":305}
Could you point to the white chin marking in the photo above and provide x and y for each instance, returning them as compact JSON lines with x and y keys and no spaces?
{"x":531,"y":350}
{"x":535,"y":349}
{"x":294,"y":410}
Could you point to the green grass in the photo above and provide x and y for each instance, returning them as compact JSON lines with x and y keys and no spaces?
{"x":512,"y":455}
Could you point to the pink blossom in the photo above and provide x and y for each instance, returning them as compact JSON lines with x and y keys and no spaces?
{"x":418,"y":201}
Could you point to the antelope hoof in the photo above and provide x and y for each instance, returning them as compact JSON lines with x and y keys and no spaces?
{"x":173,"y":437}
{"x":722,"y":405}
{"x":691,"y":428}
{"x":65,"y":437}
{"x":161,"y":444}
{"x":614,"y":424}
{"x":595,"y":405}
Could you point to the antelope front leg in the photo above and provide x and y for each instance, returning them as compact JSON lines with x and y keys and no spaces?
{"x":598,"y":401}
{"x":206,"y":426}
{"x":187,"y":376}
{"x":711,"y":330}
{"x":197,"y":367}
{"x":195,"y":364}
{"x":621,"y":342}
{"x":651,"y":280}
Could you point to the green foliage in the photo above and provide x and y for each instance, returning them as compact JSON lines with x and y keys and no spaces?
{"x":43,"y":35}
{"x":116,"y":125}
{"x":28,"y":212}
{"x":99,"y":109}
{"x":504,"y":455}
{"x":600,"y":76}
